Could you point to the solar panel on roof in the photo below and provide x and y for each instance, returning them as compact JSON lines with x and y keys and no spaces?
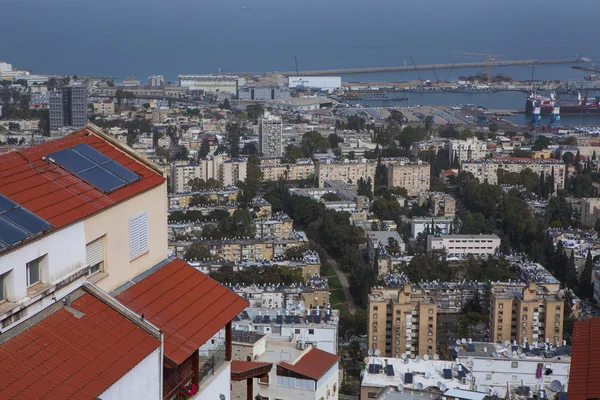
{"x":408,"y":377}
{"x":18,"y":223}
{"x":93,"y":167}
{"x":377,"y":368}
{"x":288,"y":319}
{"x":296,"y":319}
{"x":236,"y":318}
{"x":389,"y":370}
{"x":447,"y":373}
{"x":462,"y":374}
{"x":471,"y":347}
{"x":317,"y":319}
{"x":465,"y":369}
{"x":309,"y":319}
{"x":266,"y":319}
{"x":371,"y":368}
{"x":279,"y":319}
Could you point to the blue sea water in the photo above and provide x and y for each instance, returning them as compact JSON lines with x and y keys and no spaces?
{"x":122,"y":37}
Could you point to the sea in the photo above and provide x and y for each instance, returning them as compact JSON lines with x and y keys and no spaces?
{"x":116,"y":38}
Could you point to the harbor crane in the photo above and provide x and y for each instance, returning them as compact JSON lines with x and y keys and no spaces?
{"x":487,"y":58}
{"x":417,"y":69}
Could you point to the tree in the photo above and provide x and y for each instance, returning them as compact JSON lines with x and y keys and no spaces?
{"x":587,"y":285}
{"x":312,"y":142}
{"x":331,"y":197}
{"x":493,"y":127}
{"x":204,"y":149}
{"x":254,"y":111}
{"x":334,"y":140}
{"x":197,"y":251}
{"x":364,"y":188}
{"x":393,"y":247}
{"x":226,"y":104}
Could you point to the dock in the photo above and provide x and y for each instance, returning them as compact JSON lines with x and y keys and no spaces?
{"x":477,"y":64}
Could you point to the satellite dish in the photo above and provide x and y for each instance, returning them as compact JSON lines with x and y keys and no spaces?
{"x":555,"y":385}
{"x":439,"y":383}
{"x":495,"y":354}
{"x":366,"y":360}
{"x":377,"y":353}
{"x":400,"y":387}
{"x":519,"y":350}
{"x":443,"y":387}
{"x":436,"y":357}
{"x":370,"y":352}
{"x":426,"y":357}
{"x":507,"y":343}
{"x":417,"y":359}
{"x":457,"y":349}
{"x":419,"y":386}
{"x":514,"y":353}
{"x":403,"y":356}
{"x":458,"y":341}
{"x":523,"y":355}
{"x":464,"y":341}
{"x":427,"y":375}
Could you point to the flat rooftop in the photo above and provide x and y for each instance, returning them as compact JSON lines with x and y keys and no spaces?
{"x":509,"y":351}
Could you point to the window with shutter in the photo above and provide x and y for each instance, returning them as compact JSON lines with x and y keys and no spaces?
{"x":94,"y":255}
{"x":138,"y":235}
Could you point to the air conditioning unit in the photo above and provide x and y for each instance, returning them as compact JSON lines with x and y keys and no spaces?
{"x":300,"y":345}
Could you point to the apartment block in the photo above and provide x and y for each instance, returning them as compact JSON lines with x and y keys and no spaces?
{"x":470,"y":149}
{"x":590,"y":211}
{"x":104,"y":107}
{"x":226,"y":195}
{"x":414,"y":177}
{"x":347,"y":171}
{"x":530,"y":314}
{"x":226,"y":171}
{"x":439,"y":204}
{"x":401,"y":322}
{"x":379,"y":240}
{"x":441,"y":225}
{"x":279,"y":226}
{"x":299,"y":170}
{"x":487,"y":170}
{"x":478,"y":245}
{"x":270,"y":132}
{"x":68,"y":107}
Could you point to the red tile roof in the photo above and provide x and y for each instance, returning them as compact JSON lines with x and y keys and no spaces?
{"x":185,"y":304}
{"x":64,"y":357}
{"x":58,"y":196}
{"x":238,"y":366}
{"x":313,"y":363}
{"x":585,"y":361}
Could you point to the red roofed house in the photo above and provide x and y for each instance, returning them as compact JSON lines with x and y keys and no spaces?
{"x":86,"y":347}
{"x":80,"y":208}
{"x":585,"y":361}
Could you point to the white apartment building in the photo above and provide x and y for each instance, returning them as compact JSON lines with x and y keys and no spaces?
{"x":211,"y":83}
{"x":470,"y":149}
{"x":497,"y":367}
{"x":487,"y":170}
{"x":479,"y":245}
{"x":375,"y":239}
{"x":270,"y":132}
{"x":226,"y":171}
{"x":156,"y":80}
{"x":347,"y":171}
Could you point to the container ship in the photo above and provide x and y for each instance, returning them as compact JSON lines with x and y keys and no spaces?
{"x":575,"y":106}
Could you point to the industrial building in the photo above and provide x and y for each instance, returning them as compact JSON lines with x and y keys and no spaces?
{"x":211,"y":83}
{"x":68,"y":107}
{"x":263,"y":92}
{"x":325,"y":83}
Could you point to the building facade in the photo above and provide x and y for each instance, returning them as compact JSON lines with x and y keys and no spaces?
{"x":470,"y":149}
{"x":104,"y":107}
{"x":68,"y":107}
{"x":478,"y":245}
{"x":226,"y":171}
{"x":401,"y":322}
{"x":347,"y":171}
{"x":270,"y":132}
{"x":263,"y":92}
{"x":414,"y":177}
{"x":156,"y":81}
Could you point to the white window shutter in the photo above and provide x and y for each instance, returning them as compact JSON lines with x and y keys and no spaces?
{"x":94,"y":251}
{"x":134,"y":237}
{"x":143,"y":227}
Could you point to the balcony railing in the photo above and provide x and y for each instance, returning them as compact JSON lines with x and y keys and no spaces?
{"x":174,"y":379}
{"x":208,"y":365}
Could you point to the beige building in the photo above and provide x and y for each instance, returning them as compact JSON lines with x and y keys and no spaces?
{"x":470,"y":149}
{"x":478,"y":245}
{"x":224,"y":170}
{"x":531,"y":313}
{"x":487,"y":170}
{"x":401,"y":322}
{"x":301,"y":169}
{"x":439,"y":204}
{"x":347,"y":171}
{"x":414,"y":177}
{"x":104,"y":107}
{"x":590,"y":211}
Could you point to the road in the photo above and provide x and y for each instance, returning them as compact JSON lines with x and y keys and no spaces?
{"x":345,"y":285}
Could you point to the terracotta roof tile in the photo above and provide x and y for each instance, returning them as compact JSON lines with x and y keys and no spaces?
{"x":57,"y":196}
{"x":313,"y":363}
{"x":69,"y":358}
{"x":185,"y":304}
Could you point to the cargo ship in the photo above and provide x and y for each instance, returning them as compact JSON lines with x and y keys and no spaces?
{"x":576,"y":106}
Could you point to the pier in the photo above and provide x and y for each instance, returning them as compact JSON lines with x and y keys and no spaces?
{"x":476,"y":64}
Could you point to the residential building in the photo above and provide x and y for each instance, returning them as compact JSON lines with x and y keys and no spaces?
{"x":347,"y":171}
{"x":270,"y":131}
{"x":439,"y":204}
{"x":263,"y":92}
{"x":500,"y":369}
{"x":487,"y":170}
{"x":401,"y":323}
{"x":469,"y":149}
{"x":279,"y":226}
{"x":226,"y":171}
{"x":60,"y":227}
{"x":531,"y":314}
{"x":226,"y":195}
{"x":377,"y":239}
{"x":316,"y":327}
{"x":478,"y":245}
{"x":104,"y":107}
{"x":443,"y":225}
{"x":192,"y":311}
{"x":156,"y":81}
{"x":299,"y":170}
{"x":349,"y":200}
{"x":426,"y":378}
{"x":414,"y":177}
{"x":85,"y":345}
{"x":68,"y":107}
{"x":590,"y":211}
{"x":583,"y":378}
